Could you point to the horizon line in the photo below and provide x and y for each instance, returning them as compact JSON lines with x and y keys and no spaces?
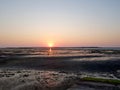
{"x":61,"y":47}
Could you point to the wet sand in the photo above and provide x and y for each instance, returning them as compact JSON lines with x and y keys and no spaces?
{"x":73,"y":64}
{"x":48,"y":80}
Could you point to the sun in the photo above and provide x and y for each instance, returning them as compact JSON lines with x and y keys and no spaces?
{"x":50,"y":44}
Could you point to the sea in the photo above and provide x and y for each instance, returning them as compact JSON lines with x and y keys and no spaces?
{"x":74,"y":59}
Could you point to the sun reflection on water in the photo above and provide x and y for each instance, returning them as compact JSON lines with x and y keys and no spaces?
{"x":50,"y":52}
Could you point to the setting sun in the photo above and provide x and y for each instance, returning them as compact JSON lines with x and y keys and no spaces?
{"x":50,"y":44}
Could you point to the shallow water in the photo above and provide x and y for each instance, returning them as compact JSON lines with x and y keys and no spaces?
{"x":108,"y":53}
{"x":104,"y":58}
{"x":95,"y":62}
{"x":72,"y":59}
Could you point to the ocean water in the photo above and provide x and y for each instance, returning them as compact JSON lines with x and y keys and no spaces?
{"x":59,"y":51}
{"x":98,"y":59}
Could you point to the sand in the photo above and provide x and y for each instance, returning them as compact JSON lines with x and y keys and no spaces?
{"x":48,"y":80}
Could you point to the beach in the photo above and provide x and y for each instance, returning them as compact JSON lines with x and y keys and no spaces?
{"x":64,"y":69}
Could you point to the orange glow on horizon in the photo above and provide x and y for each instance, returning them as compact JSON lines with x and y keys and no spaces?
{"x":50,"y":44}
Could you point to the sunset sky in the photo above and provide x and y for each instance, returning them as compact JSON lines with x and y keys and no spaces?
{"x":71,"y":23}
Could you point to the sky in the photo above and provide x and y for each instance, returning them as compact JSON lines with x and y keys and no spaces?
{"x":63,"y":23}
